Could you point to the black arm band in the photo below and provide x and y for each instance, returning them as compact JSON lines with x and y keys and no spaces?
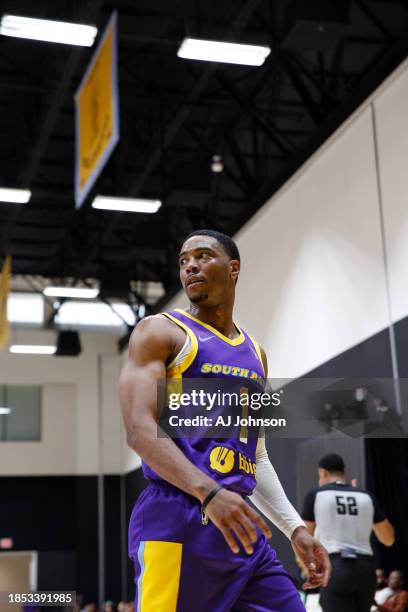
{"x":209,"y":497}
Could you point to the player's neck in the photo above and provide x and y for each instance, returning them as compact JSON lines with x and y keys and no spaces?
{"x":219,"y":317}
{"x":339,"y":478}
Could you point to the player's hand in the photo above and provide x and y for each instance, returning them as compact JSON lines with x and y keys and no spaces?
{"x":313,"y":556}
{"x":236,"y":520}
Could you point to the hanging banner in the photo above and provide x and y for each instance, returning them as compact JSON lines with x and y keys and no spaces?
{"x":97,"y":113}
{"x":4,"y":290}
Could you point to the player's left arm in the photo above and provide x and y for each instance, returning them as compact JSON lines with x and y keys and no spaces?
{"x":311,"y":526}
{"x":270,"y":498}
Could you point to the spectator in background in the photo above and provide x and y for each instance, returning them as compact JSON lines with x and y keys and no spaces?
{"x":383,"y":590}
{"x":357,"y":410}
{"x":398,"y":601}
{"x":108,"y":606}
{"x":379,"y":572}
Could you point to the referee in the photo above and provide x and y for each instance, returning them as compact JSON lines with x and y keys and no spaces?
{"x":342,"y":517}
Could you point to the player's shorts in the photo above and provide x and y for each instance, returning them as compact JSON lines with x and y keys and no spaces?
{"x":184,"y":566}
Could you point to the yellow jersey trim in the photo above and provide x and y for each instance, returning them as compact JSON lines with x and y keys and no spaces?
{"x":178,"y":370}
{"x":258,"y":351}
{"x":232,"y":341}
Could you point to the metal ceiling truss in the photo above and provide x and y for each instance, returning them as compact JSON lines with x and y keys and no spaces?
{"x":175,"y":115}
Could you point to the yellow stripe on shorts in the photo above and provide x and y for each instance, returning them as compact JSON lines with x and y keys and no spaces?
{"x":158,"y":585}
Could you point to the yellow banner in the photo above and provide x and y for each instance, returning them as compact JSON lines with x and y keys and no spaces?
{"x":4,"y":290}
{"x":96,"y":113}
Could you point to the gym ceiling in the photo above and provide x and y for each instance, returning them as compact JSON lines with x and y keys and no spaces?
{"x":175,"y":115}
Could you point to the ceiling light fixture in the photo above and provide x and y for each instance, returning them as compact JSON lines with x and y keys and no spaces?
{"x":225,"y":52}
{"x":217,"y":164}
{"x":33,"y":349}
{"x":47,"y":30}
{"x":5,"y":410}
{"x":94,"y":314}
{"x":87,"y":293}
{"x":138,"y":205}
{"x":26,"y":308}
{"x":14,"y":196}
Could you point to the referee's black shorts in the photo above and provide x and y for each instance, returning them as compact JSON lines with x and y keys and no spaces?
{"x":352,"y":585}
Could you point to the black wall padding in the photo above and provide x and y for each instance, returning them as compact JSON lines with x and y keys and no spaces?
{"x":387,"y":479}
{"x":58,"y":517}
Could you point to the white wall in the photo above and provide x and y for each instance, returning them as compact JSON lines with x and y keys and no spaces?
{"x":313,"y":279}
{"x":70,"y":407}
{"x":392,"y":127}
{"x":318,"y":259}
{"x":56,"y":453}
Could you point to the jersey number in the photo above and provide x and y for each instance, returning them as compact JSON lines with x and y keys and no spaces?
{"x":347,"y":505}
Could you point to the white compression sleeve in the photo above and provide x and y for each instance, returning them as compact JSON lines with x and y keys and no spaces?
{"x":269,"y":496}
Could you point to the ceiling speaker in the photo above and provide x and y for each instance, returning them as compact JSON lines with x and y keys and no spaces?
{"x":68,"y":344}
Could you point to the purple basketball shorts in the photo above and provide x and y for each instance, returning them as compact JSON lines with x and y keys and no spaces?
{"x":184,"y":566}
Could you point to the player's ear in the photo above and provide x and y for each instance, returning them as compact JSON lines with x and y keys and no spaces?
{"x":234,"y":269}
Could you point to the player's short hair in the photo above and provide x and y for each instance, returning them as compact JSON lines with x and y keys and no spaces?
{"x":225,"y":241}
{"x":332,"y":463}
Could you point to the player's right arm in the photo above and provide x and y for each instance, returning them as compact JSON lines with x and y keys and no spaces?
{"x":151,"y":346}
{"x":382,"y":527}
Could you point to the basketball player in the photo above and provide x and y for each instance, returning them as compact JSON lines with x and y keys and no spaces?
{"x":196,"y":543}
{"x":343,"y":517}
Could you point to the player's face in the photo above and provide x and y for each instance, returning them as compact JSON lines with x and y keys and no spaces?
{"x":207,"y":274}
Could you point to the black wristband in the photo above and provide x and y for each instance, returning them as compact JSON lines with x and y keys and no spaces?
{"x":209,"y":497}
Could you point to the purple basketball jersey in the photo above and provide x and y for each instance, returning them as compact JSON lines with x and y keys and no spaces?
{"x":230,"y":461}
